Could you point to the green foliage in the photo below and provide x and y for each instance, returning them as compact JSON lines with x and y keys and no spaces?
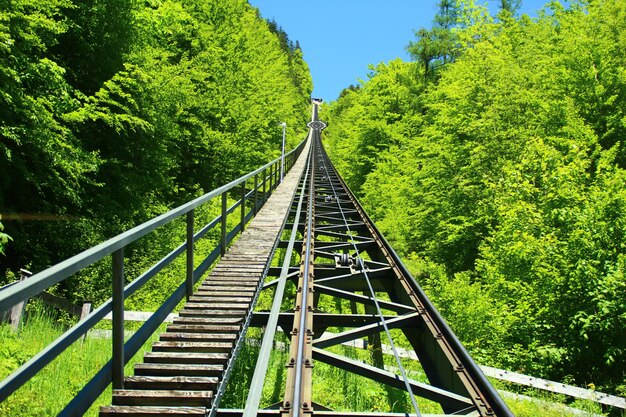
{"x":4,"y":239}
{"x":48,"y":392}
{"x":504,"y":177}
{"x":112,"y":112}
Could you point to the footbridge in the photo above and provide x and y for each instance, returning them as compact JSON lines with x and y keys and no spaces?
{"x":303,"y":259}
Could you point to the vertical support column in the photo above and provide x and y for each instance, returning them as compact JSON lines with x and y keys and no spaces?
{"x":243,"y":206}
{"x":374,"y":341}
{"x":264,"y":185}
{"x":118,"y":319}
{"x":271,"y":178}
{"x":256,"y":193}
{"x":223,"y":221}
{"x":189,"y":249}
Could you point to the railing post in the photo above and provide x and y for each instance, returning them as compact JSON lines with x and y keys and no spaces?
{"x":189,"y":249}
{"x":118,"y":319}
{"x":223,"y":219}
{"x":243,"y":206}
{"x":271,"y":179}
{"x":256,"y":193}
{"x":264,"y":185}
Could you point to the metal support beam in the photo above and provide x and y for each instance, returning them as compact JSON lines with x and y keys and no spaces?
{"x":424,"y":390}
{"x":118,"y":319}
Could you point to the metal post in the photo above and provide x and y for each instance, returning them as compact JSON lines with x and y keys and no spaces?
{"x":189,"y":249}
{"x":243,"y":206}
{"x":118,"y":319}
{"x":282,"y":155}
{"x":223,"y":219}
{"x":264,"y":184}
{"x":271,"y":179}
{"x":256,"y":193}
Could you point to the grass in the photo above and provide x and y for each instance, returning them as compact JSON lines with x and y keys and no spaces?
{"x":48,"y":392}
{"x":344,"y":391}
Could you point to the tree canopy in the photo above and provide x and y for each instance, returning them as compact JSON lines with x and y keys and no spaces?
{"x":501,"y":180}
{"x":112,"y":111}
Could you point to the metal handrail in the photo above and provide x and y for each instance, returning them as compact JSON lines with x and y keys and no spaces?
{"x":57,"y":273}
{"x":122,"y":352}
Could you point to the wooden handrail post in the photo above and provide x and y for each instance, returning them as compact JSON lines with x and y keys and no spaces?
{"x":189,"y":249}
{"x":118,"y":319}
{"x":84,"y":312}
{"x":17,"y":311}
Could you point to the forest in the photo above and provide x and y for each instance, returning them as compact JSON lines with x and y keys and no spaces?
{"x":495,"y":163}
{"x":114,"y":111}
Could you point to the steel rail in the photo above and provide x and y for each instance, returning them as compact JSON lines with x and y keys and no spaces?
{"x":260,"y":371}
{"x":477,"y":378}
{"x":373,"y":293}
{"x":57,"y":273}
{"x":297,"y":386}
{"x":480,"y":380}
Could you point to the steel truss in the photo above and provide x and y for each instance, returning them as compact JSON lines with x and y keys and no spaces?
{"x":343,"y":255}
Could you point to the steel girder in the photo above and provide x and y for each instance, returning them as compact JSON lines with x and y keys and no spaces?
{"x":344,"y":256}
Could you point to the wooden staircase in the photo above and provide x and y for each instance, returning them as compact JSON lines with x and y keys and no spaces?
{"x":181,"y":374}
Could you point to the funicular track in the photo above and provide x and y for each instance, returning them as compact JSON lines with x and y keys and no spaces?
{"x":343,"y":257}
{"x":312,"y":236}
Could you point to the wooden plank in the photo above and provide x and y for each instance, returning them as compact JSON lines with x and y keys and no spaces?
{"x":163,"y":369}
{"x":208,"y":320}
{"x":185,"y":357}
{"x":207,"y":347}
{"x":213,"y":313}
{"x":171,"y":382}
{"x":134,"y":411}
{"x":216,"y":306}
{"x":203,"y":328}
{"x":200,"y":298}
{"x":162,"y":397}
{"x":197,"y":337}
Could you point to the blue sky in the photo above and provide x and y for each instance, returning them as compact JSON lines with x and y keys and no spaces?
{"x":340,"y":38}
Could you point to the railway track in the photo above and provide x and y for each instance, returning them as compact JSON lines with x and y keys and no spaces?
{"x":308,"y":247}
{"x":328,"y":249}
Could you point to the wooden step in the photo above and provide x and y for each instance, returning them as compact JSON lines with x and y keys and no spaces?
{"x":162,"y":397}
{"x":209,"y":320}
{"x":198,"y":337}
{"x":198,"y":347}
{"x":185,"y":357}
{"x":225,"y":292}
{"x":197,"y":383}
{"x":134,"y":411}
{"x":212,"y":313}
{"x":164,"y":369}
{"x":206,"y":298}
{"x":203,"y":328}
{"x":216,"y":306}
{"x":208,"y":283}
